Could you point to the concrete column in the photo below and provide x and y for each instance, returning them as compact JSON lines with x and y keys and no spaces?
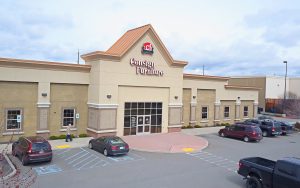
{"x":237,"y":110}
{"x":193,"y":113}
{"x":217,"y":112}
{"x":255,"y":108}
{"x":102,"y":119}
{"x":175,"y":117}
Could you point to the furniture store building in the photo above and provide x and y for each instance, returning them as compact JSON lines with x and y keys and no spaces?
{"x":135,"y":87}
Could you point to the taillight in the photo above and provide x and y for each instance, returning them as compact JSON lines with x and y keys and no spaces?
{"x":273,"y":129}
{"x":114,"y":147}
{"x":126,"y":146}
{"x":253,"y":133}
{"x":240,"y":165}
{"x":29,"y":148}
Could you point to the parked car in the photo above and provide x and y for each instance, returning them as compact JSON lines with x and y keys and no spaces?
{"x":268,"y":127}
{"x":286,"y":127}
{"x":32,"y":149}
{"x":109,"y":145}
{"x":264,"y":117}
{"x":261,"y":172}
{"x":242,"y":131}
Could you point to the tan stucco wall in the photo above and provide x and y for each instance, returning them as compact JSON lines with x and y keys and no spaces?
{"x":231,"y":118}
{"x":250,"y":109}
{"x":142,"y":94}
{"x":186,"y":106}
{"x":259,"y":82}
{"x":114,"y":74}
{"x":21,"y":96}
{"x":205,"y":98}
{"x":294,"y":84}
{"x":68,"y":96}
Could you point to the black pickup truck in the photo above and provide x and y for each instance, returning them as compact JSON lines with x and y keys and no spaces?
{"x":264,"y":173}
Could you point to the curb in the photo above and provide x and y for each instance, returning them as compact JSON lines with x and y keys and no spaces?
{"x":12,"y":166}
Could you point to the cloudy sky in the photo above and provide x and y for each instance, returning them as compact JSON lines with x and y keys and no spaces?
{"x":228,"y":37}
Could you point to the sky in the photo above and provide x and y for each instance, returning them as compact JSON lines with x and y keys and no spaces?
{"x":227,"y":37}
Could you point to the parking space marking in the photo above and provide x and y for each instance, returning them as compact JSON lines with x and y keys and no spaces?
{"x":74,"y":155}
{"x":81,"y":161}
{"x":50,"y":169}
{"x":219,"y":161}
{"x":60,"y":153}
{"x":77,"y":158}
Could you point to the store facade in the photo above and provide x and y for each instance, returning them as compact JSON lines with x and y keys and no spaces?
{"x":133,"y":88}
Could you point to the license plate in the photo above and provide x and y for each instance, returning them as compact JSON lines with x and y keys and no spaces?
{"x":121,"y":147}
{"x":42,"y":151}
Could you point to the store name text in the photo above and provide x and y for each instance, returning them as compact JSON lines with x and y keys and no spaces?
{"x":145,"y":67}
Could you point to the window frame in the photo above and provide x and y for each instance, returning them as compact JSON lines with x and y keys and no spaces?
{"x":246,"y":111}
{"x":63,"y":116}
{"x":204,"y":112}
{"x":6,"y":119}
{"x":226,"y":117}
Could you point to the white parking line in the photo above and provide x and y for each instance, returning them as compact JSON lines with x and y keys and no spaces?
{"x":74,"y":155}
{"x":87,"y":163}
{"x":99,"y":162}
{"x":78,"y":158}
{"x":74,"y":165}
{"x":63,"y":152}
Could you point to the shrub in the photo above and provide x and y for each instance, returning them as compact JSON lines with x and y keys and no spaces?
{"x":83,"y":135}
{"x":62,"y":136}
{"x":183,"y":127}
{"x":197,"y":126}
{"x":53,"y":138}
{"x":189,"y":127}
{"x":227,"y":124}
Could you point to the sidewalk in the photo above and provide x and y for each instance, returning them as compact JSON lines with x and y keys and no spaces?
{"x":202,"y":131}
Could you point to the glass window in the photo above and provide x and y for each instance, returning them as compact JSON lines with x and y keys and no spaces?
{"x":141,"y":105}
{"x":159,"y":105}
{"x":69,"y":117}
{"x":246,"y":113}
{"x":204,"y":112}
{"x":12,"y":118}
{"x":226,"y":112}
{"x":127,"y":121}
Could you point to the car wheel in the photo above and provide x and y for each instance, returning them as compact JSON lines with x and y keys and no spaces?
{"x":105,"y":152}
{"x":265,"y":133}
{"x":222,"y":135}
{"x":23,"y":160}
{"x":246,"y":139}
{"x":90,"y":145}
{"x":253,"y":182}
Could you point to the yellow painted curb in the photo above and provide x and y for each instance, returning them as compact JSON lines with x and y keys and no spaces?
{"x":63,"y":146}
{"x":188,"y":149}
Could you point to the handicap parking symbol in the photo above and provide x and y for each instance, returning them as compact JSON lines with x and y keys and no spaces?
{"x":51,"y":169}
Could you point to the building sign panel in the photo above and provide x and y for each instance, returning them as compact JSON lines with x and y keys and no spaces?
{"x":145,"y":67}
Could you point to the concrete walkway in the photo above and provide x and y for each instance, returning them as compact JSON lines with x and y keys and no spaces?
{"x":166,"y":142}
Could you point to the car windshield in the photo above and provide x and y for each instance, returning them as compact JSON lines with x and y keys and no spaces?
{"x":277,"y":124}
{"x":116,"y":141}
{"x":40,"y":146}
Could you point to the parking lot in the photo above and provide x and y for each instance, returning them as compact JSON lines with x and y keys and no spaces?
{"x":213,"y":167}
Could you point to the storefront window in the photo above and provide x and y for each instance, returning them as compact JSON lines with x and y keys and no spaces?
{"x":142,"y":113}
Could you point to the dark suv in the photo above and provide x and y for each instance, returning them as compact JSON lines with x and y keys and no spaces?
{"x":268,"y":127}
{"x":242,"y":131}
{"x":32,"y":149}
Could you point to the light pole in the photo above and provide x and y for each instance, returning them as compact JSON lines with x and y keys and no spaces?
{"x":284,"y":98}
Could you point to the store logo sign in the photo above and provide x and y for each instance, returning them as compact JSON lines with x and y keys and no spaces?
{"x":147,"y":48}
{"x":145,"y":67}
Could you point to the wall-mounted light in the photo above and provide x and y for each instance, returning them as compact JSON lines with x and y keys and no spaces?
{"x":239,"y":98}
{"x":176,"y":97}
{"x":108,"y":96}
{"x":44,"y":94}
{"x":194,"y":97}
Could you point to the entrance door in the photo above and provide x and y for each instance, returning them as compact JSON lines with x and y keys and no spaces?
{"x":143,"y":126}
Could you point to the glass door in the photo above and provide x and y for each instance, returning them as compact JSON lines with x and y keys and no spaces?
{"x":144,"y":123}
